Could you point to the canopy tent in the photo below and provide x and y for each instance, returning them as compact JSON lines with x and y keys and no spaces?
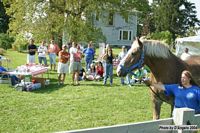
{"x":192,"y":43}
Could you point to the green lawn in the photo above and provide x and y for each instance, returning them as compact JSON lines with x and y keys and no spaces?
{"x":61,"y":108}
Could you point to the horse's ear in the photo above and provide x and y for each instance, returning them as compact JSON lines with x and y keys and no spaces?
{"x":139,"y":42}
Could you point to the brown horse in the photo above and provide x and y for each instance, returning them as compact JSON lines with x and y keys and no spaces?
{"x":164,"y":65}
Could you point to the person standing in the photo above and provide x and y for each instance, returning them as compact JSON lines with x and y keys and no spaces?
{"x":31,"y":52}
{"x":42,"y":51}
{"x":89,"y":55}
{"x":75,"y":62}
{"x":121,"y":55}
{"x":53,"y":50}
{"x":108,"y":57}
{"x":72,"y":51}
{"x":184,"y":56}
{"x":62,"y":64}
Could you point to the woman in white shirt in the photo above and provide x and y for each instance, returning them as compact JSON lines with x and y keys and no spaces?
{"x":42,"y":51}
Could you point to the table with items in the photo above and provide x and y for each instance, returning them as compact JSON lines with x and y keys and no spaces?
{"x":29,"y":73}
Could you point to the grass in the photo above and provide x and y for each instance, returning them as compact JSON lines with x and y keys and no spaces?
{"x":61,"y":108}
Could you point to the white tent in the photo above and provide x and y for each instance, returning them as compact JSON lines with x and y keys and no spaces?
{"x":192,"y":43}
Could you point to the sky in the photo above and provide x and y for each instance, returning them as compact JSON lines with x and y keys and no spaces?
{"x":197,"y":4}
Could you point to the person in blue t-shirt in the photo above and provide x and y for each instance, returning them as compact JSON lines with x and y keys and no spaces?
{"x":14,"y":79}
{"x":186,"y":94}
{"x":89,"y":55}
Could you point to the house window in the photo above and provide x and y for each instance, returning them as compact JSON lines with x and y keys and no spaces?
{"x":110,"y":19}
{"x":130,"y":35}
{"x":126,"y":18}
{"x":125,"y":35}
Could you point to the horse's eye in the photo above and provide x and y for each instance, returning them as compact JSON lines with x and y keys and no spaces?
{"x":133,"y":54}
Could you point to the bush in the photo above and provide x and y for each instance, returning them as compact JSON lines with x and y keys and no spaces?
{"x":6,"y":41}
{"x":20,"y":43}
{"x":2,"y":51}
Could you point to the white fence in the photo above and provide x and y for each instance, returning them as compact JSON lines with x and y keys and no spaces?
{"x":179,"y":123}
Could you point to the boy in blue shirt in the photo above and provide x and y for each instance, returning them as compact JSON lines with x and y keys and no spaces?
{"x":14,"y":79}
{"x":89,"y":55}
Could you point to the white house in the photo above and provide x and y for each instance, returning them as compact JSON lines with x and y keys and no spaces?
{"x":118,"y":30}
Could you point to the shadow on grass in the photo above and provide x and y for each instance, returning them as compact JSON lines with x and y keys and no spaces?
{"x":90,"y":84}
{"x":53,"y":86}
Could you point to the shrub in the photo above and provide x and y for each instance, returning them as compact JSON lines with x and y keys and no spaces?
{"x":6,"y":41}
{"x":2,"y":51}
{"x":164,"y":36}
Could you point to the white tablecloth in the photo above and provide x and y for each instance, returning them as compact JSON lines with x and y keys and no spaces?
{"x":32,"y":70}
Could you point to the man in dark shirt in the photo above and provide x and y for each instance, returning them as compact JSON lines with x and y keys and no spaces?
{"x":31,"y":52}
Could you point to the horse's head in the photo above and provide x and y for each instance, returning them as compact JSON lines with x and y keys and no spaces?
{"x":133,"y":60}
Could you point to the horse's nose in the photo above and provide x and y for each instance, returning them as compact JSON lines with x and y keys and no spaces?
{"x":119,"y":74}
{"x":118,"y":71}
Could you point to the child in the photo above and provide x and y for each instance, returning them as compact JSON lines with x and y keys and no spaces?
{"x":91,"y":72}
{"x":99,"y":71}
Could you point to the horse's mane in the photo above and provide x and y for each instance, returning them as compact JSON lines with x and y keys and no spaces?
{"x":156,"y":48}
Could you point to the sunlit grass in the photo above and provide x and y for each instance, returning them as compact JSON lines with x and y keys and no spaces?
{"x":61,"y":108}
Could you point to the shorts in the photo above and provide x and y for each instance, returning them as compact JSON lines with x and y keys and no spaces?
{"x":30,"y":59}
{"x":52,"y":58}
{"x":75,"y":66}
{"x":62,"y":67}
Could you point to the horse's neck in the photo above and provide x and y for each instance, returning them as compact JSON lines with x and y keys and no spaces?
{"x":165,"y":70}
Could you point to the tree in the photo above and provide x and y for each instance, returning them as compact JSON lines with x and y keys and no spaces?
{"x":4,"y":19}
{"x":175,"y":16}
{"x":44,"y":18}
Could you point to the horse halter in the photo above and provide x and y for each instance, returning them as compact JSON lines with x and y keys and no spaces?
{"x":137,"y":65}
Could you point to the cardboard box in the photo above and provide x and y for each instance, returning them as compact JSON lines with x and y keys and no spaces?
{"x":39,"y":80}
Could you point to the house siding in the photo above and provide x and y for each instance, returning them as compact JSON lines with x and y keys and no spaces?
{"x":112,"y":32}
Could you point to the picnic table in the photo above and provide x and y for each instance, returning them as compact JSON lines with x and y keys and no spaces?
{"x":32,"y":70}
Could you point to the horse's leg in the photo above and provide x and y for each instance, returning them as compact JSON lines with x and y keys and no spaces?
{"x":172,"y":108}
{"x":156,"y":106}
{"x":156,"y":103}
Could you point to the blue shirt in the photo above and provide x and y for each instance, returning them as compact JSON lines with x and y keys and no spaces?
{"x":89,"y":52}
{"x":184,"y":97}
{"x":2,"y":69}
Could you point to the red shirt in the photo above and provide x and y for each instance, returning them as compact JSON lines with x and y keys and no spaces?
{"x":53,"y":48}
{"x":77,"y":56}
{"x":99,"y":70}
{"x":63,"y":56}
